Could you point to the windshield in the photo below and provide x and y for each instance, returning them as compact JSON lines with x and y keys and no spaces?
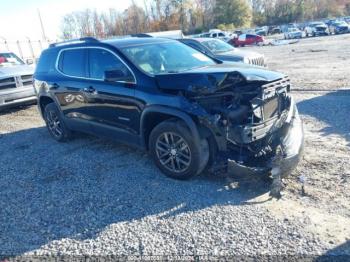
{"x":166,"y":57}
{"x":9,"y":59}
{"x":217,"y":46}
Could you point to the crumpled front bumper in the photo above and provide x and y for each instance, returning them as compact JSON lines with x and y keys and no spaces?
{"x":291,"y":149}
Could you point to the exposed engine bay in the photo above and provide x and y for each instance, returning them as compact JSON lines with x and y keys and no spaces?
{"x":246,"y":113}
{"x":250,"y":114}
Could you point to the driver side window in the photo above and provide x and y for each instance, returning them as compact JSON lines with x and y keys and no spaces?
{"x":101,"y":60}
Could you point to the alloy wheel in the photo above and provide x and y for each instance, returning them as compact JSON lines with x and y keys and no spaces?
{"x":173,"y":152}
{"x":54,"y":124}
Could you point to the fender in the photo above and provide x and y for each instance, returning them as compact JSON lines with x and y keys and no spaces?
{"x":47,"y":95}
{"x":173,"y":112}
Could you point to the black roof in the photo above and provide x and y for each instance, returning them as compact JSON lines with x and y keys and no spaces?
{"x":123,"y":42}
{"x":116,"y":42}
{"x":201,"y":39}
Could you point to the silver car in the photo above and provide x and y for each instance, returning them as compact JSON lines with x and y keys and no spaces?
{"x":220,"y":50}
{"x":16,"y":80}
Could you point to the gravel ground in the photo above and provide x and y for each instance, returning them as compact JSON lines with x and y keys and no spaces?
{"x":313,"y":63}
{"x":94,"y":197}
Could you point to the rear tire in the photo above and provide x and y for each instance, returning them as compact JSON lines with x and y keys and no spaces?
{"x":55,"y":123}
{"x":174,"y":152}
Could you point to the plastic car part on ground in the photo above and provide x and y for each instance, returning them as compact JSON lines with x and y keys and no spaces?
{"x":284,"y":42}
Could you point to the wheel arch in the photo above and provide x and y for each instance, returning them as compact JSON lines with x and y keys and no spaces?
{"x":154,"y":115}
{"x":43,"y":102}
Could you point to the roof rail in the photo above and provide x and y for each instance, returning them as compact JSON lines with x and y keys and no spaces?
{"x":140,"y":35}
{"x":82,"y":39}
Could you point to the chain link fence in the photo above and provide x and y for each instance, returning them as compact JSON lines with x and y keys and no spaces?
{"x":25,"y":49}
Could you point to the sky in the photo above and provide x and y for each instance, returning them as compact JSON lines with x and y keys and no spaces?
{"x":19,"y":19}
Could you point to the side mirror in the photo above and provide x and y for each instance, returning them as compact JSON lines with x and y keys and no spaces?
{"x":116,"y":75}
{"x":29,"y":61}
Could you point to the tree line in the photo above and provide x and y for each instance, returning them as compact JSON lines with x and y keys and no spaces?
{"x":195,"y":16}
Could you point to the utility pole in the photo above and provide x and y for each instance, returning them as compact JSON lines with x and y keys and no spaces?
{"x":5,"y":42}
{"x":42,"y":26}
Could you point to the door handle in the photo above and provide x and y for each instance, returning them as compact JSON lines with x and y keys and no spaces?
{"x":89,"y":89}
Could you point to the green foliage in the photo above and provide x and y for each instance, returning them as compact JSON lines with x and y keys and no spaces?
{"x":267,"y":12}
{"x":226,"y":27}
{"x":196,"y":16}
{"x":236,"y":12}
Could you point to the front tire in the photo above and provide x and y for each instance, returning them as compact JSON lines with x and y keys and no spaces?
{"x":55,"y":124}
{"x":174,"y":152}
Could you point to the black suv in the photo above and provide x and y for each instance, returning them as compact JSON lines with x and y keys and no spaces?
{"x":189,"y":111}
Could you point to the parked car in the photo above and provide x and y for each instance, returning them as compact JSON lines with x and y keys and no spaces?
{"x":338,"y":27}
{"x":189,"y":111}
{"x":293,"y":33}
{"x":316,"y":29}
{"x":262,"y":31}
{"x":238,"y":32}
{"x":223,"y":51}
{"x":274,"y":30}
{"x":246,"y":39}
{"x":216,"y":33}
{"x":16,"y":85}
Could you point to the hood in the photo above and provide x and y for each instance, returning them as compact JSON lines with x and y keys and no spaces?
{"x":238,"y":54}
{"x":16,"y":70}
{"x":213,"y":78}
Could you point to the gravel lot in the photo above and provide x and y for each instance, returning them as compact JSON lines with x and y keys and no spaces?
{"x":94,"y":197}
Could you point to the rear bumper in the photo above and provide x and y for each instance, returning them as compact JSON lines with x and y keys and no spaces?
{"x":17,"y":96}
{"x":289,"y":154}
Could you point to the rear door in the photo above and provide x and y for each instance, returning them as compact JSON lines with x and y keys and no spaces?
{"x":68,"y":87}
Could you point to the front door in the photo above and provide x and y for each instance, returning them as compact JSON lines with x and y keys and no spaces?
{"x":113,"y":109}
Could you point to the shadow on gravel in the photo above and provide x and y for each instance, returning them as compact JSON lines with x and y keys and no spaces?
{"x":50,"y":191}
{"x":14,"y":109}
{"x":340,"y":253}
{"x":333,"y":109}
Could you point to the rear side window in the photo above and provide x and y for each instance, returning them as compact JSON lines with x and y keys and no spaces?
{"x":46,"y":62}
{"x":72,"y":62}
{"x":101,"y":60}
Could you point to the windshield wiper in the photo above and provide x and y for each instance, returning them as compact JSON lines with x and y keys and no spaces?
{"x":224,"y":51}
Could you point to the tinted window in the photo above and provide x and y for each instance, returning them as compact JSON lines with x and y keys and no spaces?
{"x":46,"y":62}
{"x":72,"y":62}
{"x":102,"y":60}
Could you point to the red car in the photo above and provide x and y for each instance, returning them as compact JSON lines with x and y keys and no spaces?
{"x":246,"y":39}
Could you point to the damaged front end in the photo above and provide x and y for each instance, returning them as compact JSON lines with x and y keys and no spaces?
{"x":253,"y":119}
